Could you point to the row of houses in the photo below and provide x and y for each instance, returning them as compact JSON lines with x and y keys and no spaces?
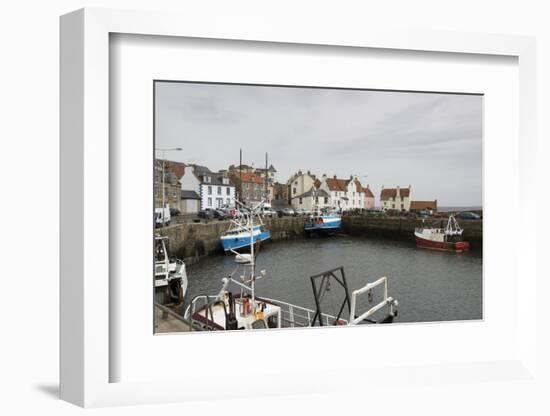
{"x":308,"y":191}
{"x":192,"y":187}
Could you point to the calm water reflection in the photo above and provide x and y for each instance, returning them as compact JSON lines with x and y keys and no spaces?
{"x":429,"y":285}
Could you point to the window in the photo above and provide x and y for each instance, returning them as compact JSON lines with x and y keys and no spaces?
{"x":326,"y":199}
{"x":293,"y":191}
{"x":228,"y":191}
{"x":316,"y":199}
{"x":209,"y":202}
{"x":219,"y":202}
{"x":228,"y":201}
{"x":209,"y":190}
{"x":219,"y":190}
{"x":402,"y":206}
{"x":393,"y":206}
{"x":300,"y":201}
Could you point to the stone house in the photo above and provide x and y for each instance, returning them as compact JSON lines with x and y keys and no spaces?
{"x":281,"y":192}
{"x":395,"y":198}
{"x":172,"y":186}
{"x":250,"y":187}
{"x":270,"y":173}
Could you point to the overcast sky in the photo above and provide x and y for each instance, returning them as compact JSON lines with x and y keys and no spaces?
{"x":431,"y":141}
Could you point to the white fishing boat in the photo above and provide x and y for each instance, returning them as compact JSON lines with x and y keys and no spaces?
{"x":238,"y":306}
{"x":170,"y":275}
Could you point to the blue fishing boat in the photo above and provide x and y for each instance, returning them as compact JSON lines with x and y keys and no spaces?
{"x":239,"y":234}
{"x":323,"y":222}
{"x":238,"y":237}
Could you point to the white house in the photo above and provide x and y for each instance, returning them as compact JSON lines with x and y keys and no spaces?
{"x":396,"y":198}
{"x":300,"y":183}
{"x":314,"y":198}
{"x":190,"y":202}
{"x":345,"y":194}
{"x":213,"y":188}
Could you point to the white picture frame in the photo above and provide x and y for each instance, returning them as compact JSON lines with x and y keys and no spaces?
{"x":86,"y":355}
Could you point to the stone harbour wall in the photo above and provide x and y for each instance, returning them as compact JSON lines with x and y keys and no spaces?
{"x":191,"y":241}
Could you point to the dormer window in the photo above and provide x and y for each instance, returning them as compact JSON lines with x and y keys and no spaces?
{"x":225,"y":181}
{"x":207,"y":179}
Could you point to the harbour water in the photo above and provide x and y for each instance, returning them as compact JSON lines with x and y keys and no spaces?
{"x":429,"y":285}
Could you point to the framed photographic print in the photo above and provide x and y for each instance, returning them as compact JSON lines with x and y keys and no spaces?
{"x":260,"y":203}
{"x":281,"y":244}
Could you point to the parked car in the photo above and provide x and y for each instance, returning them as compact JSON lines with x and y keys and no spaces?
{"x":289,"y":212}
{"x":376,"y":213}
{"x":467,"y":215}
{"x":220,"y":214}
{"x":268,"y":212}
{"x":299,"y":211}
{"x":174,"y":212}
{"x":205,"y":214}
{"x":279,"y":212}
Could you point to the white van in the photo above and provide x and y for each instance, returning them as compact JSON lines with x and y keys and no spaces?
{"x":267,"y":211}
{"x":160,"y":219}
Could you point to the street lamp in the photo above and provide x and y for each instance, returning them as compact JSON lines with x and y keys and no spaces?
{"x":172,"y":149}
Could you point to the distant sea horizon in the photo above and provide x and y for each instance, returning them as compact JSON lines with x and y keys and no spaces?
{"x":456,"y":209}
{"x":467,"y":208}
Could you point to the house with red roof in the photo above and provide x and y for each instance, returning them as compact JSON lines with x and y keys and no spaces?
{"x":395,"y":198}
{"x":369,"y":197}
{"x":251,"y":187}
{"x":346,"y":194}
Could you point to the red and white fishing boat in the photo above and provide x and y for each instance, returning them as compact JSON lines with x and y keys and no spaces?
{"x":443,"y":239}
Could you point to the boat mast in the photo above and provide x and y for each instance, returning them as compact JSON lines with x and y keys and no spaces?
{"x":252,"y":259}
{"x":265,"y":176}
{"x":240,"y":175}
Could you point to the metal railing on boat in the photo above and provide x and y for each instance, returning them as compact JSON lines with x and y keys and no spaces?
{"x":295,"y":316}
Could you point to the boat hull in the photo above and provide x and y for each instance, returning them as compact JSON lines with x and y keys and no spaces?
{"x":241,"y":241}
{"x":456,"y":247}
{"x":328,"y":226}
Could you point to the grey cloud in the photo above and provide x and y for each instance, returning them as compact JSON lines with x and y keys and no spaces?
{"x":431,"y":141}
